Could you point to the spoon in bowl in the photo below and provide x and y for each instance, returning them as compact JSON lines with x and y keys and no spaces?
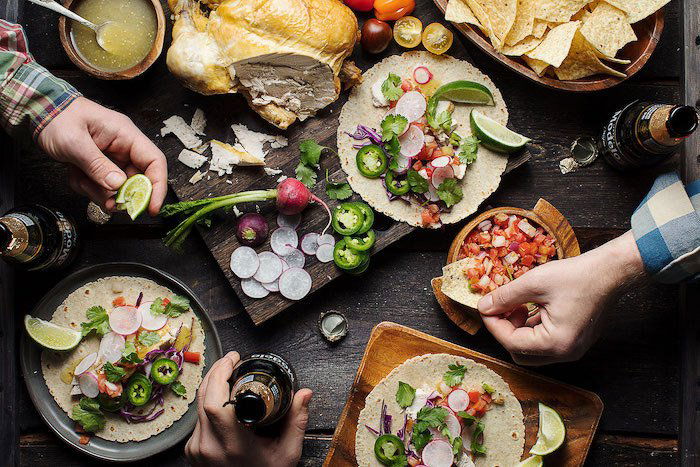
{"x":58,"y":8}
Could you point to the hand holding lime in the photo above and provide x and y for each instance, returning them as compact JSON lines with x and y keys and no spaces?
{"x":134,"y":195}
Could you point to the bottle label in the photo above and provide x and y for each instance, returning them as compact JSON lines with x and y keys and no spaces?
{"x":609,"y":139}
{"x":280,"y":362}
{"x":651,"y":131}
{"x":68,"y":238}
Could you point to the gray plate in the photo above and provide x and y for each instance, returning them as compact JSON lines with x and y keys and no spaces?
{"x":57,"y":419}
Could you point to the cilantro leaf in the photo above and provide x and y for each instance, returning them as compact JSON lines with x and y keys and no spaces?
{"x":173,"y":308}
{"x":113,"y":373}
{"x":477,"y":447}
{"x":405,"y":395}
{"x":98,"y":320}
{"x":444,"y":121}
{"x":88,"y":414}
{"x":391,"y":87}
{"x":393,"y":147}
{"x":393,"y":125}
{"x":450,"y":192}
{"x":337,"y":190}
{"x":420,"y":438}
{"x":417,"y":182}
{"x":306,"y":175}
{"x":310,"y":152}
{"x":468,"y":419}
{"x":468,"y":150}
{"x":457,"y":445}
{"x":129,"y":354}
{"x":428,"y":417}
{"x":178,"y":388}
{"x":149,"y":338}
{"x":455,"y":374}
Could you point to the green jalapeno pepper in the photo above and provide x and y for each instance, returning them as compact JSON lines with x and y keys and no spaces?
{"x":369,"y":216}
{"x":138,"y":390}
{"x":371,"y":161}
{"x":109,"y":404}
{"x":362,"y":242}
{"x":347,"y":218}
{"x":164,"y":371}
{"x":389,"y":449}
{"x":395,"y":185}
{"x":345,"y":257}
{"x":361,"y":268}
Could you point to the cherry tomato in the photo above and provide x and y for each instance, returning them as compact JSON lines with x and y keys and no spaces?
{"x":360,"y":5}
{"x":376,"y":36}
{"x":391,"y":10}
{"x":437,"y":38}
{"x":407,"y":31}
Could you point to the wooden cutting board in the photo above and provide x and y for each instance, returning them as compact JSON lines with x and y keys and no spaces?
{"x":391,"y":344}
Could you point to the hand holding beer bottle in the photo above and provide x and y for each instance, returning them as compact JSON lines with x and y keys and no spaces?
{"x":219,"y":438}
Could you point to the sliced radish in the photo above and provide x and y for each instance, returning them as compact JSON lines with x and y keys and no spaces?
{"x":253,"y":288}
{"x":422,"y":75}
{"x":467,"y":434}
{"x":432,"y":194}
{"x":458,"y":400}
{"x":452,"y":423}
{"x":111,"y":346}
{"x":438,"y":453}
{"x":273,"y":286}
{"x":411,"y":105}
{"x":295,"y":259}
{"x":270,"y":267}
{"x":292,"y":221}
{"x":285,"y":265}
{"x":88,"y":384}
{"x":309,"y":243}
{"x":441,"y":174}
{"x":283,"y":241}
{"x":295,"y":283}
{"x":151,"y":321}
{"x":326,"y":239}
{"x":325,"y":253}
{"x":442,"y":161}
{"x":85,"y":364}
{"x":412,"y":141}
{"x":125,"y":320}
{"x":244,"y":262}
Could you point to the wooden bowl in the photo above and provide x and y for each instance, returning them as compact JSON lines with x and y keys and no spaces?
{"x":64,"y":28}
{"x":648,"y":33}
{"x":544,"y":215}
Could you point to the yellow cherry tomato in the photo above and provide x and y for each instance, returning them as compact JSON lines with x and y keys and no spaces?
{"x":437,"y":38}
{"x":407,"y":31}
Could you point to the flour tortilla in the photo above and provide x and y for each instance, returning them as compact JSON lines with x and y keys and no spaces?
{"x":504,"y":434}
{"x":72,"y":312}
{"x":482,"y":177}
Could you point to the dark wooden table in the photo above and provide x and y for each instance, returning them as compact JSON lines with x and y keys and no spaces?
{"x":634,"y":367}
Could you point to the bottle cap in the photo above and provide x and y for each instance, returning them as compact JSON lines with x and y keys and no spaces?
{"x":332,"y":325}
{"x":584,"y":150}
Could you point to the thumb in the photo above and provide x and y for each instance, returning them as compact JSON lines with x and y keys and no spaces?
{"x":507,"y":297}
{"x":297,"y":420}
{"x":97,"y":166}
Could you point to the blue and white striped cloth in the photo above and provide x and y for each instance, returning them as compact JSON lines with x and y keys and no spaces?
{"x":666,"y":226}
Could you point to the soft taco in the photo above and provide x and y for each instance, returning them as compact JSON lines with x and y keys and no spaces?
{"x":440,"y":409}
{"x":139,"y":365}
{"x":411,"y":157}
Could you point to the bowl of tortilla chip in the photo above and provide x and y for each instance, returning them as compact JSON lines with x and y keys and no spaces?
{"x":574,"y":45}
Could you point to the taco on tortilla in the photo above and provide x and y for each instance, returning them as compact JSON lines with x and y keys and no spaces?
{"x":405,"y":140}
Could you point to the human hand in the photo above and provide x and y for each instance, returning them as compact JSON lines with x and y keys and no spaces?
{"x":218,"y":438}
{"x":572,"y":295}
{"x":103,"y":147}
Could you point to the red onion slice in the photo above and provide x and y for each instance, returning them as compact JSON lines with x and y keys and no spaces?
{"x":253,"y":288}
{"x":244,"y":262}
{"x":85,"y":364}
{"x":284,"y":240}
{"x":295,"y":283}
{"x":111,"y":347}
{"x":125,"y":320}
{"x":270,"y":267}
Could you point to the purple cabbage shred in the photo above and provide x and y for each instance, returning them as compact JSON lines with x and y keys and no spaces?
{"x":372,"y":430}
{"x":138,"y":300}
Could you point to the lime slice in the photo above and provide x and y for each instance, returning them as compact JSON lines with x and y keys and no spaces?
{"x":134,"y":195}
{"x":465,"y":92}
{"x":532,"y":461}
{"x":495,"y":136}
{"x":50,"y":335}
{"x":551,"y":433}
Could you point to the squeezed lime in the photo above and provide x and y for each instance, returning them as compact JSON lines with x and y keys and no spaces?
{"x":551,"y":433}
{"x":134,"y":195}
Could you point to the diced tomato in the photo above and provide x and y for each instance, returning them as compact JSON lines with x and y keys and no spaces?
{"x":84,"y":439}
{"x":484,"y":237}
{"x":518,"y":273}
{"x":419,"y":125}
{"x":479,"y":405}
{"x":502,"y":251}
{"x":417,"y":166}
{"x":527,"y":260}
{"x":539,"y":238}
{"x":166,"y":301}
{"x":473,"y":248}
{"x":119,"y":301}
{"x":101,"y":384}
{"x":406,"y":85}
{"x":192,"y":357}
{"x":472,"y":273}
{"x":429,"y":171}
{"x":486,"y":397}
{"x":501,"y":219}
{"x":493,"y":253}
{"x":474,"y":396}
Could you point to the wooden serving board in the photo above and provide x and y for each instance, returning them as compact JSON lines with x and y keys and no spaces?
{"x":391,"y":344}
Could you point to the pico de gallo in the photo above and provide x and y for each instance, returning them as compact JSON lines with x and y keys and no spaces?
{"x":502,"y":249}
{"x":416,"y":152}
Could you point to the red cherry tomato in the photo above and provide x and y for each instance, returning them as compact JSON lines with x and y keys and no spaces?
{"x":360,"y":5}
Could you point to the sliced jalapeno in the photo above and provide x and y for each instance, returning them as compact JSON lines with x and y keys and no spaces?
{"x":369,"y":217}
{"x":389,"y":449}
{"x":362,"y":242}
{"x":347,"y":218}
{"x":109,"y":404}
{"x":371,"y":161}
{"x":395,"y":185}
{"x":361,"y":268}
{"x":138,"y":390}
{"x":345,"y":257}
{"x":164,"y":371}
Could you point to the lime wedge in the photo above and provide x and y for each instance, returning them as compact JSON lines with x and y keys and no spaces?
{"x":532,"y":461}
{"x":551,"y":433}
{"x":50,"y":335}
{"x":134,"y":195}
{"x":495,"y":136}
{"x":465,"y":92}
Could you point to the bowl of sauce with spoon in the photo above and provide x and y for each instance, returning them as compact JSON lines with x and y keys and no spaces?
{"x":128,"y":40}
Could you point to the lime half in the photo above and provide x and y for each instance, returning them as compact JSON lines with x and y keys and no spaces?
{"x":134,"y":195}
{"x":551,"y":433}
{"x":532,"y":461}
{"x":50,"y":335}
{"x":495,"y":136}
{"x":465,"y":92}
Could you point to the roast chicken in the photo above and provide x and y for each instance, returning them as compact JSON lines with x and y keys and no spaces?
{"x":287,"y":57}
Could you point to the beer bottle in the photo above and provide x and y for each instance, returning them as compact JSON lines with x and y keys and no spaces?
{"x":36,"y":238}
{"x":263,"y":386}
{"x":642,"y":134}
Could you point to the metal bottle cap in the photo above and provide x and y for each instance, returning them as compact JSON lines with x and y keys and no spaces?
{"x":584,"y":150}
{"x":332,"y":325}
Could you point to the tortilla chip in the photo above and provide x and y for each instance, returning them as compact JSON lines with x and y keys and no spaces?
{"x":522,"y":47}
{"x":582,"y":61}
{"x":499,"y":14}
{"x":458,"y":11}
{"x":555,"y":46}
{"x":485,"y":21}
{"x":621,"y":61}
{"x":637,"y":10}
{"x":538,"y":66}
{"x":582,"y":14}
{"x":539,"y":27}
{"x":524,"y":20}
{"x":559,"y":11}
{"x":456,"y":285}
{"x":607,"y":29}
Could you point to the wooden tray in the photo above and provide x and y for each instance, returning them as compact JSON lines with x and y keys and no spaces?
{"x":648,"y":32}
{"x":391,"y":344}
{"x":543,"y":214}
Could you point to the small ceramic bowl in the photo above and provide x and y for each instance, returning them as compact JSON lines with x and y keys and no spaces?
{"x":64,"y":29}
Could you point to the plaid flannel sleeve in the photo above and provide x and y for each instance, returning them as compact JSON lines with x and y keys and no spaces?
{"x":30,"y":96}
{"x":666,"y":226}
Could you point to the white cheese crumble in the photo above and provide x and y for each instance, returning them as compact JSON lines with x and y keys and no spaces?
{"x":271,"y":171}
{"x":199,"y":122}
{"x":191,"y":159}
{"x":177,"y":126}
{"x":378,"y":99}
{"x":198,"y":175}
